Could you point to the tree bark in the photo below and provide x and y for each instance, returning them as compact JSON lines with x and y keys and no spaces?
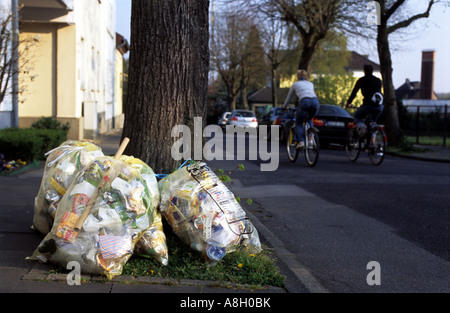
{"x":393,"y":130}
{"x":310,"y":42}
{"x":168,"y":76}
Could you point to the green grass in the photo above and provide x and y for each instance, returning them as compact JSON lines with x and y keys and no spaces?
{"x":238,"y":267}
{"x":429,"y":140}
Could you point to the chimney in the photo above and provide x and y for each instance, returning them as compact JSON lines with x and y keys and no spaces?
{"x":426,"y":83}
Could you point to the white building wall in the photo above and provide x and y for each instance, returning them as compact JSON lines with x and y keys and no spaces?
{"x":6,"y":104}
{"x":95,"y":23}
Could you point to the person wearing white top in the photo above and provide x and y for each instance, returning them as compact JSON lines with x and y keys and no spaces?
{"x":307,"y":106}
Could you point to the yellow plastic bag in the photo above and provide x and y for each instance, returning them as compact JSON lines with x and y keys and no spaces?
{"x":100,"y":238}
{"x":61,"y":166}
{"x":204,"y":213}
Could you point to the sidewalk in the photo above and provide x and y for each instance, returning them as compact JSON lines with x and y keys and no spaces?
{"x":431,"y":153}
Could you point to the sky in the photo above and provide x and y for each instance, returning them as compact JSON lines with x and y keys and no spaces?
{"x":428,"y":34}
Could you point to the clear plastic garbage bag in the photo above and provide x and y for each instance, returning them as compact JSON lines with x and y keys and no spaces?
{"x":103,"y":214}
{"x":204,"y":213}
{"x":61,"y":166}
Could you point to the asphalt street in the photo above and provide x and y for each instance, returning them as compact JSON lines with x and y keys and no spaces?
{"x":339,"y":216}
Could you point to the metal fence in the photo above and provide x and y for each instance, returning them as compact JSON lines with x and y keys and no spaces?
{"x":427,"y":123}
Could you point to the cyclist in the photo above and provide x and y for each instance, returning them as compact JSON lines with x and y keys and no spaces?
{"x":373,"y":99}
{"x":307,"y":103}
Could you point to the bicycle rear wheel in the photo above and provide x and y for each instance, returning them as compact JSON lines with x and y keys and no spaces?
{"x":291,"y":146}
{"x":352,"y":145}
{"x":377,"y":147}
{"x":312,"y":147}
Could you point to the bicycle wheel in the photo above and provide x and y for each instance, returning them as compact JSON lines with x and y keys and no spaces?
{"x":377,"y":147}
{"x":352,"y":145}
{"x":291,"y":146}
{"x":312,"y":147}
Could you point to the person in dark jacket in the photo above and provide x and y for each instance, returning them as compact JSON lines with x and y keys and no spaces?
{"x":370,"y":87}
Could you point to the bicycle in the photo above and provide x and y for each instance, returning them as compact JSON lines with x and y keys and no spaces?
{"x":311,"y":148}
{"x":374,"y":142}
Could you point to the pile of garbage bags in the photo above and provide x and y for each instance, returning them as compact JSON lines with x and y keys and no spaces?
{"x":99,"y":210}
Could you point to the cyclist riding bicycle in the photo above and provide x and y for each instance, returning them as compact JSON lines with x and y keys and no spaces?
{"x":373,"y":99}
{"x":307,"y":103}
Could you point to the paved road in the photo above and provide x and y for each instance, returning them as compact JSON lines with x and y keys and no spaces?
{"x":339,"y":216}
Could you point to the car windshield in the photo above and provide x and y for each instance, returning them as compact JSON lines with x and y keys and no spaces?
{"x":244,"y":114}
{"x":333,"y":111}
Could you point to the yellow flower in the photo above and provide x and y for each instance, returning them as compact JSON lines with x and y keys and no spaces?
{"x":239,"y":265}
{"x":252,"y":255}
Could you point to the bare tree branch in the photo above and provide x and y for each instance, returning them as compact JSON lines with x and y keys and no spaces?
{"x":406,"y":23}
{"x":393,"y":8}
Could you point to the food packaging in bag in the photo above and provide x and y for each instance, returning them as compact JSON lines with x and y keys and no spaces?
{"x":204,"y":213}
{"x":61,"y":166}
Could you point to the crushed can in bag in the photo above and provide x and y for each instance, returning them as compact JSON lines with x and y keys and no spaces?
{"x":61,"y":166}
{"x":204,"y":213}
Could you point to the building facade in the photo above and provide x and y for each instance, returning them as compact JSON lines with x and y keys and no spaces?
{"x":74,"y":67}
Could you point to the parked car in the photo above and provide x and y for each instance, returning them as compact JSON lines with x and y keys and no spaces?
{"x":333,"y":123}
{"x":243,"y":118}
{"x":223,"y":119}
{"x":276,"y":117}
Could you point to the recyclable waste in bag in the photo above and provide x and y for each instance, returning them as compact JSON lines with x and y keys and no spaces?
{"x":153,"y":242}
{"x":204,"y":213}
{"x":100,"y":234}
{"x":61,"y":166}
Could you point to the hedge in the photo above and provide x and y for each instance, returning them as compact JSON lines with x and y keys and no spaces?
{"x":29,"y":144}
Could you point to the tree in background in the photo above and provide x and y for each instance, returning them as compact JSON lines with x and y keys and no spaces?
{"x":25,"y":63}
{"x":237,"y":54}
{"x":168,"y":76}
{"x":253,"y":64}
{"x":226,"y":49}
{"x":279,"y":50}
{"x":314,"y":20}
{"x":391,"y":21}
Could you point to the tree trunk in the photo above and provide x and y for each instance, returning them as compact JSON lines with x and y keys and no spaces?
{"x":310,"y":42}
{"x":168,"y":77}
{"x":274,"y":87}
{"x":393,"y":130}
{"x":244,"y":99}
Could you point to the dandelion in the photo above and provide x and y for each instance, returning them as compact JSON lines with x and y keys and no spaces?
{"x":239,"y":265}
{"x":252,"y":255}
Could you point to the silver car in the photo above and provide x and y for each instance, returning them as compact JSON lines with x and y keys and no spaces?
{"x":243,"y":118}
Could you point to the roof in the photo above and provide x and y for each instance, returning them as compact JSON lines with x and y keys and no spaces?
{"x":122,"y":44}
{"x":410,"y":90}
{"x":264,"y":95}
{"x":357,"y":62}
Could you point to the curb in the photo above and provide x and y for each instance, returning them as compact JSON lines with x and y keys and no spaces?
{"x":419,"y":158}
{"x":43,"y":275}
